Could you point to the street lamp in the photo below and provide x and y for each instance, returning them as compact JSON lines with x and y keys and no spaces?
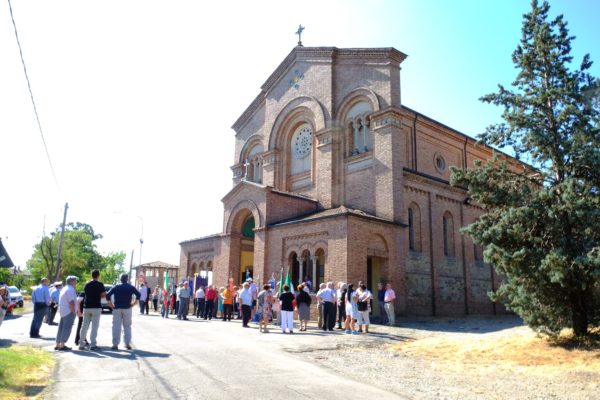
{"x":141,"y":237}
{"x":131,"y":279}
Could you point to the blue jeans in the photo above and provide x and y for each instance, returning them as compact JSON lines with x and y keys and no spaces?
{"x":39,"y":310}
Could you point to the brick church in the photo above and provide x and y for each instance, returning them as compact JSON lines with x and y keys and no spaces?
{"x":335,"y":180}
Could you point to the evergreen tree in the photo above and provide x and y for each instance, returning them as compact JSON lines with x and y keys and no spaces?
{"x":541,"y":225}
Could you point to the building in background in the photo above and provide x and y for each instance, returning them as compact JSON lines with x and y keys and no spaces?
{"x":154,"y":274}
{"x":334,"y":179}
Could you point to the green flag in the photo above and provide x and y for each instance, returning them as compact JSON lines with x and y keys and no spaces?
{"x":281,"y":282}
{"x":167,"y":280}
{"x":288,"y":281}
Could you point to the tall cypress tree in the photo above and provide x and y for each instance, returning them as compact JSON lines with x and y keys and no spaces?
{"x":541,"y":225}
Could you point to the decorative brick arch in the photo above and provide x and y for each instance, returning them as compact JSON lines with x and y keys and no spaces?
{"x":305,"y":108}
{"x":355,"y":96}
{"x":240,"y":213}
{"x":320,"y":245}
{"x":306,"y":247}
{"x":377,"y":246}
{"x":252,"y":141}
{"x":448,"y":234}
{"x":292,"y":249}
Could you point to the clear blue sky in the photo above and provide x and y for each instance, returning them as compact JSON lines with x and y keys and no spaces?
{"x":136,"y":98}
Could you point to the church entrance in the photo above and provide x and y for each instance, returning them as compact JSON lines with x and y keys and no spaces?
{"x":247,"y":250}
{"x":375,"y":271}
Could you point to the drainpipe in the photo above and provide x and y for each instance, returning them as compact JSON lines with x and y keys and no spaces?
{"x":465,"y":154}
{"x":464,"y":261}
{"x":415,"y":142}
{"x":433,"y":305}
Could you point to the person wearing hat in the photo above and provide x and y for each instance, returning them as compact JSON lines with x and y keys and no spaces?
{"x":121,"y":305}
{"x":67,"y":308}
{"x":55,"y":289}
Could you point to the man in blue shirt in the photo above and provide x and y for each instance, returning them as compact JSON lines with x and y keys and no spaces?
{"x":120,"y":299}
{"x":54,"y":295}
{"x":40,"y":298}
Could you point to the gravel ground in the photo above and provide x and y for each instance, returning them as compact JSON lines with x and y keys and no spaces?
{"x":372,"y":359}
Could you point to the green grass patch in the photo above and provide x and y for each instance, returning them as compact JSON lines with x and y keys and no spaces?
{"x":24,"y":371}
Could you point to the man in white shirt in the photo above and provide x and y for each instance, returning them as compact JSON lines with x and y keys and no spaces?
{"x":68,"y":309}
{"x":389,"y":298}
{"x":245,"y":300}
{"x":328,"y":298}
{"x":200,"y":300}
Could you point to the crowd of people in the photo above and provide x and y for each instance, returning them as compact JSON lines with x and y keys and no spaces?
{"x":347,"y":306}
{"x":344,"y":304}
{"x":87,"y":307}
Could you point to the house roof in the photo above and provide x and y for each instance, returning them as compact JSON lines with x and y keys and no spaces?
{"x":244,"y":183}
{"x":214,"y":235}
{"x":332,"y":213}
{"x":157,"y":264}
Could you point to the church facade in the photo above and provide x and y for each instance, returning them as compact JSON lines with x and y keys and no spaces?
{"x":335,"y":180}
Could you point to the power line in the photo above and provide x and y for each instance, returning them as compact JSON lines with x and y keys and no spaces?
{"x":31,"y":95}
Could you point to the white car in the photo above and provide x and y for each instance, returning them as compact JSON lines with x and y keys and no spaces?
{"x":15,"y":295}
{"x":104,"y":301}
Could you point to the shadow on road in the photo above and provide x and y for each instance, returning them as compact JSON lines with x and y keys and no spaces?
{"x":378,"y":335}
{"x":7,"y":342}
{"x":464,"y":325}
{"x":122,"y":354}
{"x":12,"y":316}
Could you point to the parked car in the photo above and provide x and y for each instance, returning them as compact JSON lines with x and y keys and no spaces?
{"x":104,"y":302}
{"x":15,"y":295}
{"x":11,"y":305}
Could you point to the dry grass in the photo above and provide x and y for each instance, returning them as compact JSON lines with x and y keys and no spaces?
{"x":24,"y":371}
{"x":518,"y":350}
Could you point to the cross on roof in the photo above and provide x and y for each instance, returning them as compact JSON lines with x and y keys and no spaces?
{"x":299,"y":33}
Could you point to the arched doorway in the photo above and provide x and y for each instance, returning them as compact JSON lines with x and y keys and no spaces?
{"x":294,"y":267}
{"x":247,"y":249}
{"x":319,"y":260}
{"x":377,"y":268}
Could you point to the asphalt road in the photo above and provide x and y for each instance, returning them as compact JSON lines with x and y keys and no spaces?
{"x":193,"y":359}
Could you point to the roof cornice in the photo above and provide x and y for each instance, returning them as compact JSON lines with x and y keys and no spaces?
{"x":301,"y":52}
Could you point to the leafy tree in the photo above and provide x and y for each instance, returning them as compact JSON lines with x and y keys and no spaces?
{"x":79,"y":256}
{"x":5,"y":275}
{"x":540,"y":225}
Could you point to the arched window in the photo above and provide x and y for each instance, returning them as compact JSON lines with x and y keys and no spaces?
{"x":448,"y":227}
{"x":253,"y":164}
{"x":294,"y":269}
{"x":414,"y":228}
{"x":478,"y":252}
{"x":301,"y":149}
{"x":319,"y":259}
{"x":358,"y":136}
{"x":248,"y":228}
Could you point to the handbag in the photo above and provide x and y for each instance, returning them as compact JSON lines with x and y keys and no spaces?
{"x":363,"y":306}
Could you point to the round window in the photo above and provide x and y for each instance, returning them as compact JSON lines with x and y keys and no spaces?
{"x":440,"y":163}
{"x":302,"y":142}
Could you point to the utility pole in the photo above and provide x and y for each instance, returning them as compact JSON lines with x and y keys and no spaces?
{"x":130,"y":267}
{"x":60,"y":244}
